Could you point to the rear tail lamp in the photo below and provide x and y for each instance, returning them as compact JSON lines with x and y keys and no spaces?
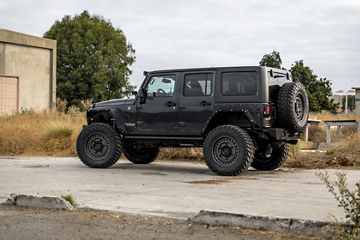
{"x":266,"y":109}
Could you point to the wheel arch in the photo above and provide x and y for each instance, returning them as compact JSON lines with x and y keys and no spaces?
{"x":105,"y":116}
{"x":240,"y":118}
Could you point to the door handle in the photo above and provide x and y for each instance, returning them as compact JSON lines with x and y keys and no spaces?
{"x":170,"y":104}
{"x":181,"y":107}
{"x":205,"y":103}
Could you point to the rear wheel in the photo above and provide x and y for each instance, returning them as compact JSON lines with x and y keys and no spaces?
{"x":99,"y":145}
{"x":228,"y":150}
{"x":140,"y":154}
{"x":269,"y":157}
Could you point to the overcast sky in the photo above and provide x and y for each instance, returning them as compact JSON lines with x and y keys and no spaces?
{"x":204,"y":33}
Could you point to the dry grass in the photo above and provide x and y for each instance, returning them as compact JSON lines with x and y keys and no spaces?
{"x":45,"y":133}
{"x":181,"y":154}
{"x":330,"y":116}
{"x":345,"y":154}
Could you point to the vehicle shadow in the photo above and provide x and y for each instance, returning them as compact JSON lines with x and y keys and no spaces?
{"x":162,"y":169}
{"x":170,"y":168}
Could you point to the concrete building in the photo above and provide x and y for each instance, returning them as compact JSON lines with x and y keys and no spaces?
{"x":341,"y":97}
{"x":27,"y":72}
{"x":357,"y":102}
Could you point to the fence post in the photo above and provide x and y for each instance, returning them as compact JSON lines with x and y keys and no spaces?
{"x":328,"y":133}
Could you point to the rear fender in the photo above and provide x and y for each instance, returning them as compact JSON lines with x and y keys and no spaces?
{"x":242,"y":118}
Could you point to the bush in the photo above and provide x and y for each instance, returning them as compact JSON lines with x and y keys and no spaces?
{"x":294,"y":148}
{"x":74,"y":111}
{"x":58,"y":136}
{"x":349,"y":201}
{"x":61,"y":105}
{"x":57,"y":131}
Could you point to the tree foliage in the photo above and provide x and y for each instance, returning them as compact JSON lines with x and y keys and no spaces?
{"x":271,"y":60}
{"x":93,"y":59}
{"x":318,"y":90}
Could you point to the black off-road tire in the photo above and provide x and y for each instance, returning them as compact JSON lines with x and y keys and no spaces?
{"x":137,"y":155}
{"x":267,"y":163}
{"x":224,"y":142}
{"x":99,"y":145}
{"x":292,"y":107}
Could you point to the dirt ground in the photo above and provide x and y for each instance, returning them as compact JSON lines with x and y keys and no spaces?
{"x":25,"y":223}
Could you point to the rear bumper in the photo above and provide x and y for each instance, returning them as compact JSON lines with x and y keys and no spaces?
{"x":280,"y":134}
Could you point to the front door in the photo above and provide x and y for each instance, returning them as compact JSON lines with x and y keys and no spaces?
{"x":157,"y":116}
{"x":196,"y":102}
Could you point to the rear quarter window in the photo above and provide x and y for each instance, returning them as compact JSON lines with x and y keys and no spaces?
{"x":239,"y":83}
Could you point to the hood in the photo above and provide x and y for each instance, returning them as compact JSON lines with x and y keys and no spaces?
{"x":114,"y":102}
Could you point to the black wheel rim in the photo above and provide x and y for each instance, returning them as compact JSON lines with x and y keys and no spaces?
{"x":264,"y":154}
{"x":299,"y":107}
{"x":97,"y":146}
{"x":225,"y":151}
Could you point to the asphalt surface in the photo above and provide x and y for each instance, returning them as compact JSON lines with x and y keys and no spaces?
{"x":22,"y":223}
{"x":173,"y":189}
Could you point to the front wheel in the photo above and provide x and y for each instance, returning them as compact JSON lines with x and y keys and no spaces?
{"x":99,"y":145}
{"x":140,"y":154}
{"x":269,"y":157}
{"x":228,"y":150}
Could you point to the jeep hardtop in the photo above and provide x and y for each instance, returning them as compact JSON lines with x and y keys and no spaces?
{"x":241,"y":116}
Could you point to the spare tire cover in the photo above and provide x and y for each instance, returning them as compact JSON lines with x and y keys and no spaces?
{"x":292,"y":107}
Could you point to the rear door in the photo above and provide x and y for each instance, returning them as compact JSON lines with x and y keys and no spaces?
{"x":196,"y":101}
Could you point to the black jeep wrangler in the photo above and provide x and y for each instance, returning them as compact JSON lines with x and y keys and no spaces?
{"x":241,"y":116}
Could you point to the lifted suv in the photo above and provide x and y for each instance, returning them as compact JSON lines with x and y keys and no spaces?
{"x":241,"y":116}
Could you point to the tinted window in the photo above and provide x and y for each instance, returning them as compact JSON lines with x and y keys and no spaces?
{"x":198,"y":84}
{"x":161,"y":86}
{"x":239,"y":83}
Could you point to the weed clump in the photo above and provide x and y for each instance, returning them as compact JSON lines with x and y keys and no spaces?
{"x":349,"y":200}
{"x":70,"y":199}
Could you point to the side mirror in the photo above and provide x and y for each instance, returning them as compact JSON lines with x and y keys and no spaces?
{"x":271,"y":73}
{"x":142,"y":94}
{"x":134,"y":93}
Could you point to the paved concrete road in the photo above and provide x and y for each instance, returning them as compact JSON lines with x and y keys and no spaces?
{"x":172,"y":189}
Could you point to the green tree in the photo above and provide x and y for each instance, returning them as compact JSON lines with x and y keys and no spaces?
{"x":318,"y":90}
{"x":271,"y":60}
{"x":93,"y":59}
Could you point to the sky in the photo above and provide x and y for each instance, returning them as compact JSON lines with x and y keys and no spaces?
{"x":169,"y":34}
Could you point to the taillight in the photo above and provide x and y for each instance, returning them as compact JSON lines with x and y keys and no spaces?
{"x":266,"y":109}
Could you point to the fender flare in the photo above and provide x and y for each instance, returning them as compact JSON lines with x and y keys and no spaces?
{"x":243,"y":111}
{"x":105,"y":115}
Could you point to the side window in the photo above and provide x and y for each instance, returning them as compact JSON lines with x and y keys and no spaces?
{"x":198,"y":84}
{"x":161,"y":86}
{"x":239,"y":83}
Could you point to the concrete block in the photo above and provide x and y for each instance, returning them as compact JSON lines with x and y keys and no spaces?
{"x":40,"y":202}
{"x":285,"y":225}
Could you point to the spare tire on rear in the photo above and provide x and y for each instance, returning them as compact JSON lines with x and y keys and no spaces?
{"x":292,"y":107}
